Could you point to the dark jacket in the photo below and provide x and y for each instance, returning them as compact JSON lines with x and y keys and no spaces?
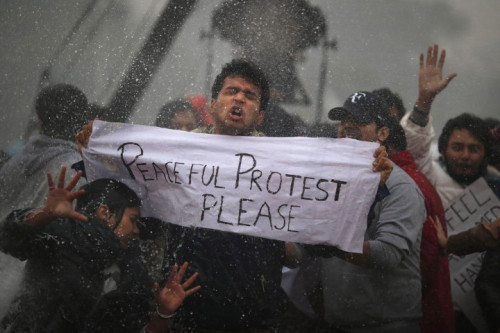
{"x":488,"y":289}
{"x":64,"y":273}
{"x":239,"y":275}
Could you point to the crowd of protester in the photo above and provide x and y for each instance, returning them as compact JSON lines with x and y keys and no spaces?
{"x":81,"y":258}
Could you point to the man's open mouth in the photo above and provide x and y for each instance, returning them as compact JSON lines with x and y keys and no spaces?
{"x":235,"y":113}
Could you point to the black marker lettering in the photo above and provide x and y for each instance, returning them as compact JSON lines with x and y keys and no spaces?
{"x":268,"y":214}
{"x":322,"y":190}
{"x":205,"y":207}
{"x":143,"y":171}
{"x":239,"y":172}
{"x":158,"y":170}
{"x":337,"y":191}
{"x":241,"y":211}
{"x":269,"y":180}
{"x":192,"y":172}
{"x":304,"y":188}
{"x":290,"y":218}
{"x":216,"y":177}
{"x":255,"y":178}
{"x":293,"y":181}
{"x":128,"y":164}
{"x":168,"y":174}
{"x":203,"y":176}
{"x":176,"y":172}
{"x":220,"y":212}
{"x":281,"y":215}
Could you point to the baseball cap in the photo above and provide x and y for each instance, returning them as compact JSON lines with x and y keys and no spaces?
{"x":364,"y":107}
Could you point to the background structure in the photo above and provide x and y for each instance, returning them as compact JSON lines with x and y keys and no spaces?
{"x":378,"y":44}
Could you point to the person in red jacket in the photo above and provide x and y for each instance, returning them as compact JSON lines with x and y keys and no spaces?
{"x":437,"y":307}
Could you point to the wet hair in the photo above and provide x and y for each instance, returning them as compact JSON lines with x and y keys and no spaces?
{"x":397,"y":137}
{"x":475,"y":125}
{"x":169,"y":110}
{"x":112,"y":193}
{"x":392,"y":99}
{"x":62,"y":110}
{"x":248,"y":71}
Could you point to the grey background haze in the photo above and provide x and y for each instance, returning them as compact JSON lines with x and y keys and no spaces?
{"x":379,"y":42}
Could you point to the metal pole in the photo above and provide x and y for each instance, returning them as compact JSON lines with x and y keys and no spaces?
{"x":325,"y":47}
{"x":149,"y":58}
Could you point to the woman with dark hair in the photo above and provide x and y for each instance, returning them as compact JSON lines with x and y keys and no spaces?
{"x":79,"y":260}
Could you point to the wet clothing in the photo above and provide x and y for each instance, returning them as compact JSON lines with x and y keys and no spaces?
{"x":437,"y":305}
{"x":210,"y":129}
{"x":65,"y":273}
{"x":419,"y":138}
{"x":387,"y":293}
{"x":239,"y":276}
{"x":487,"y":289}
{"x":23,"y":183}
{"x":23,"y":179}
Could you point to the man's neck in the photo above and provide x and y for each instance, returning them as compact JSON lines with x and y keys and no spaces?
{"x":233,"y":132}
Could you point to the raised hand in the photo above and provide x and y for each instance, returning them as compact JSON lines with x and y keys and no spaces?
{"x":430,"y":79}
{"x":83,"y":137}
{"x":382,"y":164}
{"x":441,"y":236}
{"x":59,"y":202}
{"x":170,"y":298}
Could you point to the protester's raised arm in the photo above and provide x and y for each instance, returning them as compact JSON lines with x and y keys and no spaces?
{"x":171,"y":297}
{"x":430,"y":78}
{"x":59,"y":202}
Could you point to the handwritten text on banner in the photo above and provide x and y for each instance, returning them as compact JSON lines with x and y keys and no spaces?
{"x":309,"y":190}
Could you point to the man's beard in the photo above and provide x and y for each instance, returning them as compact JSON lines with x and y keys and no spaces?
{"x":469,"y":178}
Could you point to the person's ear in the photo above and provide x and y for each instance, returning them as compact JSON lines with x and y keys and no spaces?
{"x":212,"y":106}
{"x":103,"y":212}
{"x":382,"y":134}
{"x":260,"y":118}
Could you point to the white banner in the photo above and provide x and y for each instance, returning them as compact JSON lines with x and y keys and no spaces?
{"x":477,"y":204}
{"x":308,"y":190}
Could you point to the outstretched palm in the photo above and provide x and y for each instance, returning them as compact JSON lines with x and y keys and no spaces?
{"x":60,"y":199}
{"x":431,"y":80}
{"x":170,"y":298}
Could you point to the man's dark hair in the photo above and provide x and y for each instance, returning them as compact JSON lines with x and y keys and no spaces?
{"x":392,"y":99}
{"x":169,"y":110}
{"x":112,"y":193}
{"x":248,"y":71}
{"x":62,"y":110}
{"x":475,"y":125}
{"x":397,"y":137}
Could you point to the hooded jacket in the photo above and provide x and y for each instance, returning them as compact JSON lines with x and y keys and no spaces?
{"x":64,"y":273}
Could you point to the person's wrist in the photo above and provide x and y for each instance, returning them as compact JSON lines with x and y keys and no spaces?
{"x":424,"y":102}
{"x":419,"y":117}
{"x":41,"y":212}
{"x":163,"y":313}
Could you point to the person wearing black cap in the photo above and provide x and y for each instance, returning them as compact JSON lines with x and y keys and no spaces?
{"x":378,"y":290}
{"x":248,"y":296}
